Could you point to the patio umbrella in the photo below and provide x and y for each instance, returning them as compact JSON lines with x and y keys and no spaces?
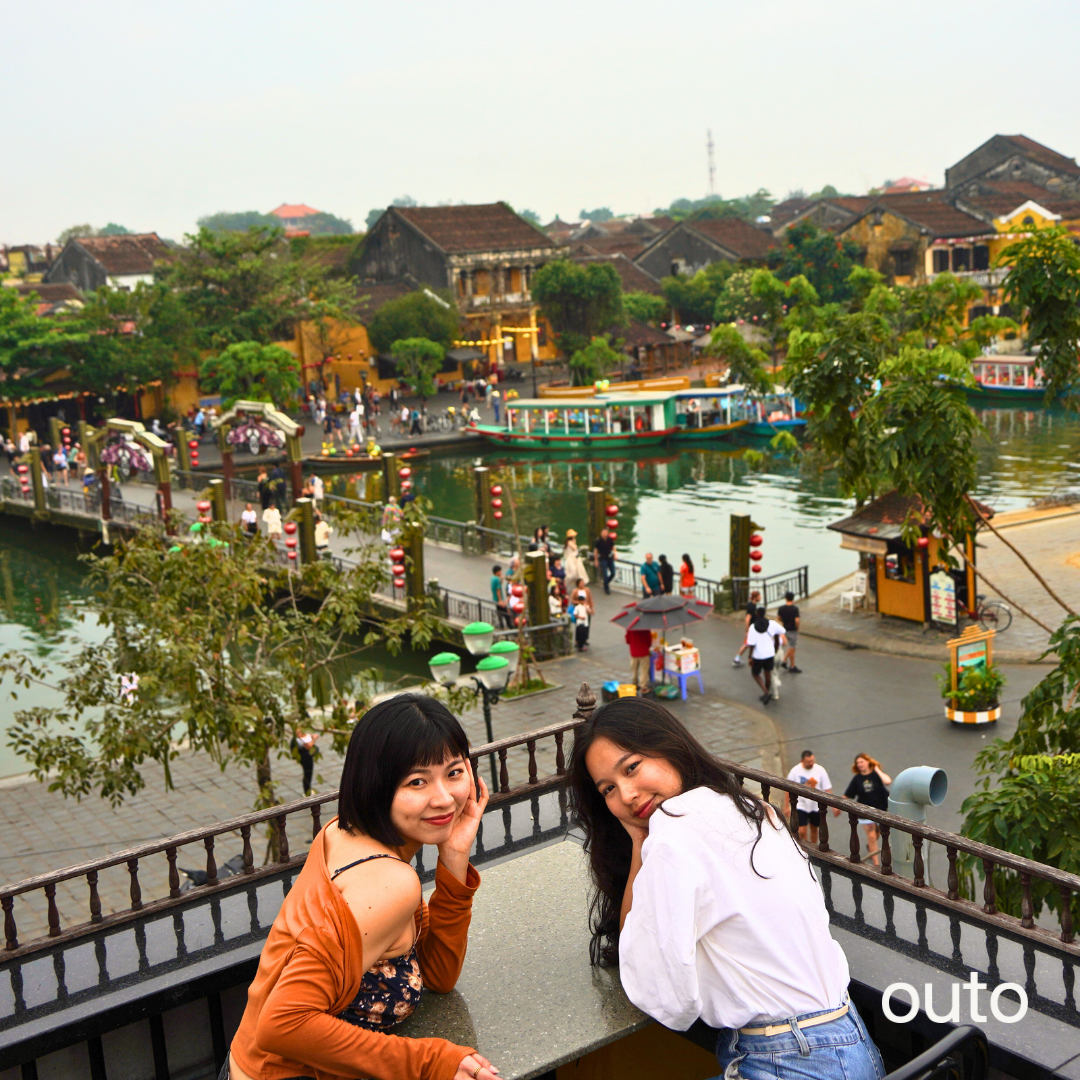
{"x":662,"y":613}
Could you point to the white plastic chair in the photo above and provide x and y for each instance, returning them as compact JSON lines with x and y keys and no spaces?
{"x":856,"y":595}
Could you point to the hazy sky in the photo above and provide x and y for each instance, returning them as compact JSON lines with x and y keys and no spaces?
{"x":154,"y":114}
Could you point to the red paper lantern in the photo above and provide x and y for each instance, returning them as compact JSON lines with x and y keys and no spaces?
{"x":756,"y":568}
{"x":290,"y":542}
{"x":497,"y":503}
{"x":612,"y":509}
{"x":203,"y":506}
{"x":399,"y":583}
{"x":497,"y":515}
{"x":756,"y":540}
{"x":923,"y":541}
{"x":193,"y":444}
{"x":517,"y":589}
{"x":755,"y":554}
{"x":612,"y":534}
{"x":397,"y":555}
{"x":290,"y":527}
{"x":292,"y":555}
{"x":405,"y":472}
{"x":612,"y":523}
{"x":398,"y":570}
{"x":406,"y":485}
{"x":65,"y":431}
{"x":24,"y":469}
{"x":496,"y":489}
{"x":194,"y":457}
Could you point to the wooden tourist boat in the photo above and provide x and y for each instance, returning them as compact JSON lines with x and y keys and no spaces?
{"x":1007,"y":378}
{"x":607,"y":421}
{"x":712,"y":411}
{"x":775,"y":412}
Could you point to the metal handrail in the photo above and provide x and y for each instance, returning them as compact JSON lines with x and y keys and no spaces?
{"x":944,"y":1060}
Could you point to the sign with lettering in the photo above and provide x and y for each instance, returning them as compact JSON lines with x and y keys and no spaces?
{"x":943,"y":597}
{"x":973,"y":648}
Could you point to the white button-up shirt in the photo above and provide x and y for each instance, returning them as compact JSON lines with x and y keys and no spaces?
{"x":707,"y":937}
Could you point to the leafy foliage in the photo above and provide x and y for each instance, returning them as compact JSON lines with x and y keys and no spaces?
{"x":746,"y":365}
{"x":250,"y":371}
{"x":324,"y":224}
{"x":695,"y":297}
{"x":580,"y":301}
{"x":31,"y":345}
{"x":977,"y":688}
{"x":231,"y":650}
{"x":417,"y":361}
{"x":602,"y":213}
{"x":645,"y":307}
{"x":238,"y":221}
{"x":591,"y":363}
{"x":747,"y":207}
{"x":1044,"y":282}
{"x":74,"y":232}
{"x":416,"y":315}
{"x":826,"y":261}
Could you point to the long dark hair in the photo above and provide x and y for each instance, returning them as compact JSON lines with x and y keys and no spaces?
{"x":391,"y":739}
{"x":642,"y":727}
{"x":689,"y":563}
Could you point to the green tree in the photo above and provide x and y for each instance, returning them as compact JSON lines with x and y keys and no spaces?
{"x":238,"y":221}
{"x":420,"y":314}
{"x":694,"y":297}
{"x":580,"y":301}
{"x":372,"y":218}
{"x":746,"y":365}
{"x":823,"y":259}
{"x":602,"y":213}
{"x":1044,"y":283}
{"x":232,"y":650}
{"x":34,"y":347}
{"x":645,"y":307}
{"x":747,"y":207}
{"x":112,"y":229}
{"x":1028,"y":800}
{"x":593,"y":362}
{"x":251,"y":371}
{"x":323,"y":224}
{"x":246,"y":287}
{"x":74,"y":232}
{"x":418,"y":360}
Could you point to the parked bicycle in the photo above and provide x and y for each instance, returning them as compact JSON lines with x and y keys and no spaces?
{"x":992,"y":614}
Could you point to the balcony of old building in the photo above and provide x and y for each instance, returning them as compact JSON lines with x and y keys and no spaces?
{"x":157,"y":990}
{"x":502,"y":287}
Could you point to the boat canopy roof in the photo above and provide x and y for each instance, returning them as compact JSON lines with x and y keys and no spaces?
{"x":554,"y":403}
{"x":638,"y":397}
{"x":711,"y":391}
{"x":601,"y":401}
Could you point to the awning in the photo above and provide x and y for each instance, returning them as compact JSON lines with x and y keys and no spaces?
{"x":463,"y":356}
{"x":864,"y":543}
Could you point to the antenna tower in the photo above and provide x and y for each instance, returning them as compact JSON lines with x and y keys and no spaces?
{"x":712,"y":166}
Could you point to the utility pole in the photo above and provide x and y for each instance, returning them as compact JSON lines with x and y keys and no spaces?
{"x":712,"y":167}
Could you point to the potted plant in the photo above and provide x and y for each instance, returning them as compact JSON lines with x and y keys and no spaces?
{"x":977,"y":697}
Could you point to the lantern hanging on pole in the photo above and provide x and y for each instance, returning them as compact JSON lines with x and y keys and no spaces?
{"x":756,"y":568}
{"x":756,"y":540}
{"x":405,"y":472}
{"x":497,"y":503}
{"x":496,"y":489}
{"x":612,"y":523}
{"x":612,"y":510}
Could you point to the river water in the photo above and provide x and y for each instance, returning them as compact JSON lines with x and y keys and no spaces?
{"x":671,"y":500}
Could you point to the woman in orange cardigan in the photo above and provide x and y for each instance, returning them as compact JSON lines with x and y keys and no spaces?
{"x":354,"y":945}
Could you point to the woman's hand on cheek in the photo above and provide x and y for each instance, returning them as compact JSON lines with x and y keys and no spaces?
{"x":638,"y":831}
{"x":454,"y":851}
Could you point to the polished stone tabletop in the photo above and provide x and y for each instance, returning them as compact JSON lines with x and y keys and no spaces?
{"x":528,"y":999}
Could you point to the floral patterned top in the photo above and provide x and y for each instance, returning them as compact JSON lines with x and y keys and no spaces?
{"x":389,"y":993}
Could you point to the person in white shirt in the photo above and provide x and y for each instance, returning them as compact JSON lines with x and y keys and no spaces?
{"x":272,"y":521}
{"x":318,"y":490}
{"x":763,"y":637}
{"x":249,"y":521}
{"x":322,"y":535}
{"x":707,"y":902}
{"x":810,"y":773}
{"x":354,"y":425}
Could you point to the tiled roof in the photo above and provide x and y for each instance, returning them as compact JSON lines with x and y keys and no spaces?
{"x":372,"y":297}
{"x":884,"y":518}
{"x":930,"y":210}
{"x":737,"y":236}
{"x":636,"y":335}
{"x":490,"y":227}
{"x":1043,"y":154}
{"x":50,"y":293}
{"x":121,"y":255}
{"x":633,"y":278}
{"x":629,"y":244}
{"x":293,"y":210}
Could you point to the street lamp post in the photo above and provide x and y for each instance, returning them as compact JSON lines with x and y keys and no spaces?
{"x":499,"y":660}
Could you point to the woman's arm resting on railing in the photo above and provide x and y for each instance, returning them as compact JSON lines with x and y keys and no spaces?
{"x":444,"y":937}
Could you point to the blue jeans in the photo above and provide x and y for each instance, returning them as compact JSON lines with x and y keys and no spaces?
{"x":838,"y":1050}
{"x":607,"y":571}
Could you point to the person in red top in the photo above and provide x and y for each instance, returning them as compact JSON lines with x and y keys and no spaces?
{"x":640,"y":642}
{"x":354,"y":945}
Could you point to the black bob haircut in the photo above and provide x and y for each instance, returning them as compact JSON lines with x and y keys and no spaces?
{"x":389,"y":741}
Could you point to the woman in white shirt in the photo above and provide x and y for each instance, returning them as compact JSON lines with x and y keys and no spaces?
{"x":707,"y":904}
{"x":764,"y":636}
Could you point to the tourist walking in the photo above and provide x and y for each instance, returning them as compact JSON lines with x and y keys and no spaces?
{"x":581,"y":598}
{"x":354,"y":424}
{"x":870,"y":786}
{"x":763,"y":637}
{"x":249,"y":521}
{"x":687,"y":581}
{"x":751,"y":611}
{"x":272,"y":521}
{"x":498,"y":595}
{"x":495,"y":399}
{"x":708,"y":904}
{"x":354,"y":943}
{"x":650,"y":577}
{"x":266,"y":495}
{"x":604,"y":558}
{"x":304,"y":743}
{"x":814,"y":776}
{"x":640,"y":644}
{"x":277,"y":487}
{"x":667,"y":575}
{"x":11,"y":450}
{"x":60,"y":464}
{"x":391,"y":520}
{"x":318,"y":490}
{"x":788,"y":614}
{"x":572,"y":562}
{"x":322,"y":535}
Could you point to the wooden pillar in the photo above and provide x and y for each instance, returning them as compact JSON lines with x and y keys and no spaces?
{"x":306,"y":530}
{"x":164,"y":485}
{"x":483,"y":511}
{"x":106,"y":493}
{"x":412,"y":540}
{"x":218,"y":509}
{"x":597,"y":512}
{"x":40,"y":502}
{"x":391,"y":480}
{"x":296,"y":456}
{"x":537,"y":608}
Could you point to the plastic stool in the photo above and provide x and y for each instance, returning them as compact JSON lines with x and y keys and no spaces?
{"x":683,"y":676}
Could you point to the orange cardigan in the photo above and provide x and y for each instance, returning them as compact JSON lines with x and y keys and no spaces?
{"x":310,"y":970}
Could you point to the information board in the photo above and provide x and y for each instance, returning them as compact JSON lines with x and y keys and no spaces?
{"x":943,"y":598}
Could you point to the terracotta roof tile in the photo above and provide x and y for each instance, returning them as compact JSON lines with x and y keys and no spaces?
{"x":885,"y":516}
{"x":633,"y":278}
{"x":293,"y":210}
{"x":639,"y":335}
{"x":1043,"y":154}
{"x":930,"y":210}
{"x":742,"y":239}
{"x":629,"y":244}
{"x":50,"y":293}
{"x":490,"y":227}
{"x":121,"y":255}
